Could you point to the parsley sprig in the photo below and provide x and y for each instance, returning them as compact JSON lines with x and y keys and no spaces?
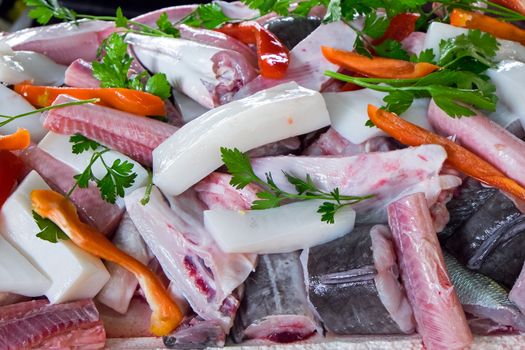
{"x":118,"y":177}
{"x":49,"y":231}
{"x":238,"y":164}
{"x":113,"y":69}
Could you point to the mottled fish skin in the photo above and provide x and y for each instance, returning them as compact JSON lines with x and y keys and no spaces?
{"x":342,"y":287}
{"x":470,"y":196}
{"x":483,"y":297}
{"x":275,"y":306}
{"x":492,"y":241}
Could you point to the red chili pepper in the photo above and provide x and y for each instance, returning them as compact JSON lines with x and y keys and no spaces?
{"x":272,"y":55}
{"x":400,"y":27}
{"x":11,"y":168}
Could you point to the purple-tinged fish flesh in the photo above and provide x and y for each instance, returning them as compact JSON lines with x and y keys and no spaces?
{"x":307,"y":63}
{"x":188,"y":255}
{"x":134,"y":323}
{"x":280,"y":148}
{"x":119,"y":290}
{"x":275,"y":307}
{"x":483,"y":297}
{"x":196,"y":333}
{"x":440,"y":319}
{"x":63,"y":42}
{"x":36,"y":324}
{"x":133,"y":135}
{"x":11,"y":298}
{"x":485,"y":326}
{"x":492,"y":240}
{"x":80,"y":74}
{"x":292,"y":30}
{"x":92,"y":209}
{"x":414,"y":43}
{"x":353,"y":283}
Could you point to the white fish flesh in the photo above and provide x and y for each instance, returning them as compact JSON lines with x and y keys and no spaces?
{"x":508,"y":50}
{"x":12,"y":104}
{"x":348,"y":113}
{"x":188,"y":107}
{"x":207,"y":74}
{"x":307,"y":63}
{"x":275,"y":114}
{"x":277,"y":230}
{"x":509,"y":79}
{"x":63,"y":42}
{"x":17,"y":275}
{"x":26,"y":66}
{"x":74,"y":274}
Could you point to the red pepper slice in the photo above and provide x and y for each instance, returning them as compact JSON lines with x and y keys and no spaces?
{"x":11,"y":169}
{"x":272,"y":55}
{"x":400,"y":27}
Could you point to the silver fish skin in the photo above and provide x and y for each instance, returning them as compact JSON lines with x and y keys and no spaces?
{"x":483,"y":297}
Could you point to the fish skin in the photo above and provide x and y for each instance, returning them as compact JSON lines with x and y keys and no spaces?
{"x":135,"y":136}
{"x":481,"y":296}
{"x":345,"y":270}
{"x":440,"y":319}
{"x":275,"y":307}
{"x":492,"y":241}
{"x":292,"y":30}
{"x":196,"y":333}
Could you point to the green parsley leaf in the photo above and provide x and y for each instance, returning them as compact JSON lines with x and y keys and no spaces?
{"x":158,"y":85}
{"x":207,"y":16}
{"x":149,"y":188}
{"x":238,"y":164}
{"x":120,"y":20}
{"x":266,"y":6}
{"x":113,"y":70}
{"x":360,"y":47}
{"x":266,"y":200}
{"x":375,"y":26}
{"x":82,"y":144}
{"x":49,"y":231}
{"x":302,"y":186}
{"x":43,"y":10}
{"x":391,"y":49}
{"x":398,"y":101}
{"x":303,"y":7}
{"x":427,"y":56}
{"x":164,"y":24}
{"x":333,"y":12}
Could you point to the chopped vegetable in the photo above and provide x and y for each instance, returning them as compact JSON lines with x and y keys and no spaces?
{"x":378,"y":67}
{"x":499,"y":29}
{"x":239,"y":166}
{"x":273,"y":56}
{"x":400,"y":27}
{"x":18,"y":140}
{"x":50,"y":205}
{"x":12,"y":168}
{"x":119,"y":175}
{"x":132,"y":101}
{"x":457,"y":156}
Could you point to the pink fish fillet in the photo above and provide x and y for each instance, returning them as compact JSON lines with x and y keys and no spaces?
{"x":64,"y":42}
{"x":331,"y":143}
{"x":80,"y":74}
{"x":174,"y":13}
{"x":484,"y":137}
{"x":386,"y":175}
{"x":440,"y":319}
{"x":517,"y":293}
{"x":36,"y":324}
{"x":92,"y":209}
{"x":205,"y":275}
{"x":307,"y":63}
{"x":133,"y":135}
{"x":119,"y":290}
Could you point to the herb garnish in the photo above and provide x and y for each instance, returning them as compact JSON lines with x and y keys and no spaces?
{"x":208,"y":16}
{"x":118,"y":177}
{"x":147,"y":192}
{"x":49,"y":230}
{"x":238,"y":164}
{"x":113,"y":70}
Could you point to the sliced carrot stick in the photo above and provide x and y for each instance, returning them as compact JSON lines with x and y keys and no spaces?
{"x":55,"y":207}
{"x":127,"y":100}
{"x":377,"y":67}
{"x":491,"y":25}
{"x":18,"y":140}
{"x":457,"y":156}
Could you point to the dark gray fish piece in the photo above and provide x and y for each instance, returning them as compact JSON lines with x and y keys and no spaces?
{"x":196,"y":333}
{"x":291,"y":30}
{"x":481,"y":296}
{"x":275,"y":307}
{"x":353,"y":284}
{"x":470,"y":196}
{"x":492,"y":241}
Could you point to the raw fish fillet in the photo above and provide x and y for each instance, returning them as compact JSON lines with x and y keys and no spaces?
{"x":492,"y":241}
{"x":36,"y":324}
{"x":196,"y":333}
{"x":275,"y":307}
{"x":92,"y":209}
{"x":135,"y":136}
{"x":440,"y":319}
{"x":80,"y":74}
{"x":63,"y":42}
{"x":119,"y":290}
{"x":307,"y":63}
{"x":10,"y":298}
{"x":517,"y":293}
{"x":216,"y":192}
{"x":353,"y":283}
{"x":485,"y":138}
{"x":190,"y":258}
{"x":387,"y":175}
{"x":134,"y":323}
{"x":483,"y":297}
